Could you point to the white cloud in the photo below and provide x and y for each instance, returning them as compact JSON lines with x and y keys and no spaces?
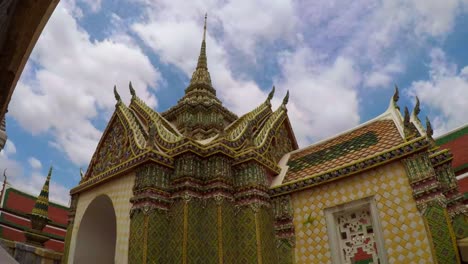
{"x":446,"y":91}
{"x":323,"y":97}
{"x":8,"y":149}
{"x":71,"y":84}
{"x":383,"y":75}
{"x":34,"y":163}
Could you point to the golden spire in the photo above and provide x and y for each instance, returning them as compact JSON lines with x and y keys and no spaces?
{"x":201,"y":74}
{"x":41,"y":206}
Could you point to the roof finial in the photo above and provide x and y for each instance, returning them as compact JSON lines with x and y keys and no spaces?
{"x":204,"y":27}
{"x":132,"y":91}
{"x":286,"y":98}
{"x":116,"y":94}
{"x":81,"y":174}
{"x":270,"y":95}
{"x":429,"y":131}
{"x":416,"y":109}
{"x":396,"y":96}
{"x":201,"y":74}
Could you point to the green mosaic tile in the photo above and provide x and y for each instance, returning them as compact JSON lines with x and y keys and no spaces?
{"x":440,"y":232}
{"x":360,"y":142}
{"x":135,"y":250}
{"x":157,"y":237}
{"x":460,"y":226}
{"x":267,"y":235}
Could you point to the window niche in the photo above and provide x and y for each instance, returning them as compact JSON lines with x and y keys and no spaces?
{"x":355,"y":234}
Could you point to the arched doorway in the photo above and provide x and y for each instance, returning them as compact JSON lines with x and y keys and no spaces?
{"x":97,"y":233}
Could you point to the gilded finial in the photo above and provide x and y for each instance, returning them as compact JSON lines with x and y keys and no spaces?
{"x":270,"y":95}
{"x":286,"y":98}
{"x":204,"y":27}
{"x":132,"y":91}
{"x":406,"y":119}
{"x":116,"y":94}
{"x":429,"y":131}
{"x":396,"y":95}
{"x":417,"y":109}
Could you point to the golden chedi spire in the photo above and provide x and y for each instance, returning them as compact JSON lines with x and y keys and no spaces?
{"x":201,"y":75}
{"x":41,"y":207}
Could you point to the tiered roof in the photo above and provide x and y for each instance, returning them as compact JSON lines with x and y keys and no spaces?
{"x":198,"y":124}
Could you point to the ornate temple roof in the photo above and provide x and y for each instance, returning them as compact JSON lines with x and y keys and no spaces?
{"x":370,"y":143}
{"x":198,"y":124}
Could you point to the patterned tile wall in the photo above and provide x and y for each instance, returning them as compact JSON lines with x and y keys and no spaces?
{"x":119,"y":191}
{"x":404,"y":233}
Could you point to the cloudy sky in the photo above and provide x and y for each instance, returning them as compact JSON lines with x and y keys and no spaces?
{"x":339,"y":60}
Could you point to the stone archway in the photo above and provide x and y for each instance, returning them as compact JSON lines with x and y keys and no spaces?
{"x":96,"y":237}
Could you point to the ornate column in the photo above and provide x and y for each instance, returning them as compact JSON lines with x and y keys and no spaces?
{"x":284,"y":228}
{"x":254,"y":216}
{"x":432,"y":203}
{"x":149,"y":215}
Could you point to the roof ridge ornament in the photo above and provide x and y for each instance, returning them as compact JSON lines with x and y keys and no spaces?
{"x":286,"y":98}
{"x":270,"y":95}
{"x":429,"y":131}
{"x":396,"y":97}
{"x":132,"y":91}
{"x":116,"y":94}
{"x":417,"y":108}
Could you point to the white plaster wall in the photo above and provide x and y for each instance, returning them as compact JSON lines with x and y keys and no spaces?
{"x":119,"y":191}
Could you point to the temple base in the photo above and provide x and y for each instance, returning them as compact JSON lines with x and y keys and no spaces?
{"x":35,"y":238}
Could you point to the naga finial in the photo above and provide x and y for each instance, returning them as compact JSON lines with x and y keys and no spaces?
{"x":270,"y":95}
{"x":429,"y":131}
{"x":132,"y":91}
{"x":406,"y":119}
{"x":396,"y":95}
{"x":286,"y":98}
{"x":417,"y":109}
{"x":116,"y":94}
{"x":81,"y":173}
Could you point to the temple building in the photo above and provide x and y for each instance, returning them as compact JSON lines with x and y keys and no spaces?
{"x":199,"y":184}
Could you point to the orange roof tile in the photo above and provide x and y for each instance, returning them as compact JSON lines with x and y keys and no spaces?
{"x":358,"y":144}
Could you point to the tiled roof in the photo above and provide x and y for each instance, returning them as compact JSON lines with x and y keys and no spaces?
{"x":457,"y":142}
{"x":373,"y":138}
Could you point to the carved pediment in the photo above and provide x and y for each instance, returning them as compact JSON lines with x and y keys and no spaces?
{"x":113,"y":149}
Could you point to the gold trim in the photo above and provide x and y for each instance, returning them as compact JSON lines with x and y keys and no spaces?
{"x":185,"y":240}
{"x":259,"y":240}
{"x":145,"y":239}
{"x":220,"y":235}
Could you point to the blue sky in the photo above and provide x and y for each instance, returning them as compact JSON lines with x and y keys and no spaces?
{"x":339,"y":60}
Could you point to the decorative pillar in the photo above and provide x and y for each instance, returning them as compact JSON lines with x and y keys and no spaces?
{"x":284,"y":229}
{"x":256,"y":235}
{"x":148,"y":216}
{"x":431,"y":202}
{"x":71,"y":222}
